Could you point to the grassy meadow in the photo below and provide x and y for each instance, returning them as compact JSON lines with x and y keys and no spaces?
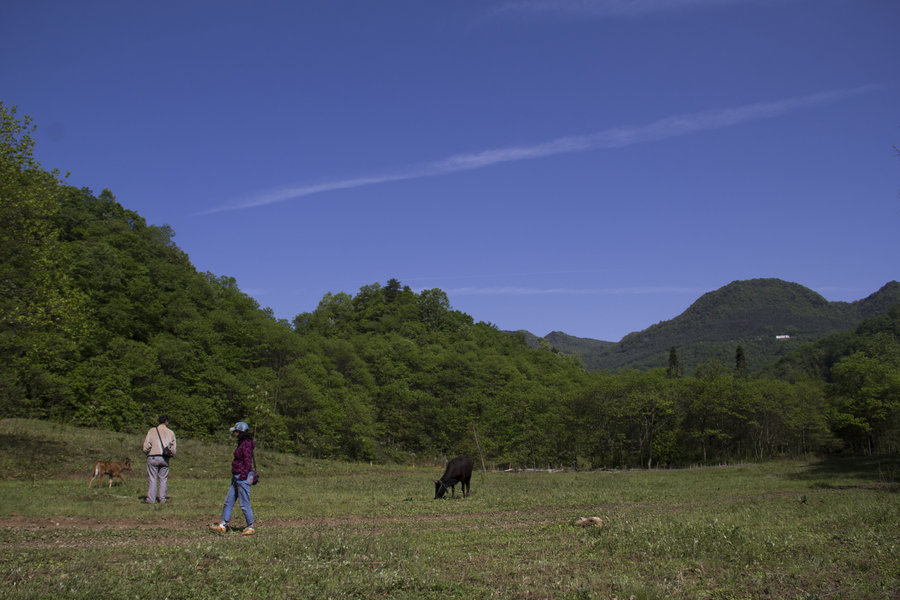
{"x":788,"y":529}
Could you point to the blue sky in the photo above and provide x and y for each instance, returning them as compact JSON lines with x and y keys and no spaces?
{"x":591,"y":167}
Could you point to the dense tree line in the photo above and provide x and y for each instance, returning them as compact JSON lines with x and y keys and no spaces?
{"x":105,"y":323}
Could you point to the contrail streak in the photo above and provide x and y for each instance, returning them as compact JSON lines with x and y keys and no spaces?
{"x":605,"y":8}
{"x":530,"y":291}
{"x":618,"y":137}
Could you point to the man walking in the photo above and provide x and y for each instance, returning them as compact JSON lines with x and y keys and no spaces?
{"x":159,"y":446}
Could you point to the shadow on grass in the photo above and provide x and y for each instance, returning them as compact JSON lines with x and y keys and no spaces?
{"x":31,"y":454}
{"x":866,"y":471}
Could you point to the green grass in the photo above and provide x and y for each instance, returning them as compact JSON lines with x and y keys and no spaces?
{"x":336,"y":530}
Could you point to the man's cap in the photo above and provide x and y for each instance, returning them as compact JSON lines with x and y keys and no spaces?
{"x":240,"y":426}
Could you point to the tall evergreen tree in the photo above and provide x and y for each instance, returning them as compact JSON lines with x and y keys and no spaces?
{"x":392,"y":289}
{"x":741,"y":370}
{"x":674,"y":370}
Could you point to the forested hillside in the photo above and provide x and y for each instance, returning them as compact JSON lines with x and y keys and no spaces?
{"x":104,"y":322}
{"x":768,"y":318}
{"x":872,"y":337}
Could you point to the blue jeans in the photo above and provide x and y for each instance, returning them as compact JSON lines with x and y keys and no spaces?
{"x":239,"y":490}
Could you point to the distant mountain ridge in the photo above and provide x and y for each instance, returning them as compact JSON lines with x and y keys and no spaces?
{"x":767,"y":317}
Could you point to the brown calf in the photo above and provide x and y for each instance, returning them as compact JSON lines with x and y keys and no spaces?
{"x":111,"y":468}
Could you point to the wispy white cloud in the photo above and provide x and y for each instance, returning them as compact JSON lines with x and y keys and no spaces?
{"x":532,"y":291}
{"x":495,"y":276}
{"x":600,"y":9}
{"x":618,"y":137}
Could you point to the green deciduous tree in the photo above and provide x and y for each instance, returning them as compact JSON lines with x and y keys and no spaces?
{"x":866,"y":401}
{"x":42,"y":314}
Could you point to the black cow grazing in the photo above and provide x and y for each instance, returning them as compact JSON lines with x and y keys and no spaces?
{"x":459,"y":470}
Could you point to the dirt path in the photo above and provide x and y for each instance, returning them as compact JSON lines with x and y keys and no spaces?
{"x":55,"y":532}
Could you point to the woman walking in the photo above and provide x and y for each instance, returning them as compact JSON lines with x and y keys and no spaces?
{"x":242,"y":477}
